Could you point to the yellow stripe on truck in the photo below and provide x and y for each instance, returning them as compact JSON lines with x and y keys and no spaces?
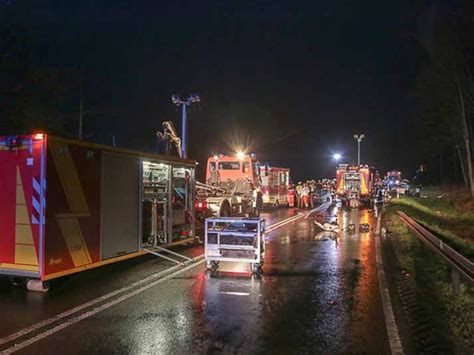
{"x":68,"y":221}
{"x":25,"y":251}
{"x":76,"y":245}
{"x":69,"y":177}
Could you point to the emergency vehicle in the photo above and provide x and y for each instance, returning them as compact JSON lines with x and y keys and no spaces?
{"x":393,"y":179}
{"x":68,"y":206}
{"x":355,"y":179}
{"x":274,"y":185}
{"x":232,"y":186}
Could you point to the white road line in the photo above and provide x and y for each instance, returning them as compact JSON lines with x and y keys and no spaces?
{"x":91,"y":303}
{"x":293,"y":218}
{"x":283,"y":223}
{"x":72,"y":311}
{"x":234,"y":293}
{"x":392,"y":328}
{"x":94,"y":311}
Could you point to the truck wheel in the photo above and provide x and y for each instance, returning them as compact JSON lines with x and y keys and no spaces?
{"x":37,"y":286}
{"x":225,"y":210}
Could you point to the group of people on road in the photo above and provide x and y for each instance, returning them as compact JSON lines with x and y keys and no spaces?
{"x":302,"y":195}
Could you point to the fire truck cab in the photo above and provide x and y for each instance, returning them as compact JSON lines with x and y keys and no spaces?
{"x":355,"y":180}
{"x":236,"y":182}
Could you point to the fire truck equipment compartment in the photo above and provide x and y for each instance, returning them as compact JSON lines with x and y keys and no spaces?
{"x":68,"y":206}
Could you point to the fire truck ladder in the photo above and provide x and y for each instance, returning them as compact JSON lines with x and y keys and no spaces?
{"x":155,"y":250}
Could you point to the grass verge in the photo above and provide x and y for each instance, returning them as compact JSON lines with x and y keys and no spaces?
{"x":451,"y":315}
{"x":450,"y":225}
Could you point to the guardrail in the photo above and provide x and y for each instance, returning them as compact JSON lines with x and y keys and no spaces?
{"x":460,"y":265}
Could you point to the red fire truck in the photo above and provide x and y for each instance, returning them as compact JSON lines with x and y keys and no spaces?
{"x":68,"y":206}
{"x":231,"y":187}
{"x":358,"y":179}
{"x":274,"y":186}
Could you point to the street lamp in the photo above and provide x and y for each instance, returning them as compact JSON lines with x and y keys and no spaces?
{"x":178,"y":101}
{"x":358,"y":138}
{"x":337,"y":156}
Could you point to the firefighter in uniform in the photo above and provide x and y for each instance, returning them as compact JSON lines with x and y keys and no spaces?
{"x":257,"y":200}
{"x":299,"y":190}
{"x":291,"y":196}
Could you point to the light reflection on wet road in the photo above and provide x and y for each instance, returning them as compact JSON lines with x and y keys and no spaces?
{"x":319,"y":293}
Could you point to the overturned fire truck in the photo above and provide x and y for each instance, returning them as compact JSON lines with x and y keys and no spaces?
{"x":68,"y":206}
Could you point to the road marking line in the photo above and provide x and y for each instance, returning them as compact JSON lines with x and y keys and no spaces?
{"x":94,"y":311}
{"x":107,"y":296}
{"x":93,"y":302}
{"x":294,"y":218}
{"x":283,"y":223}
{"x":234,"y":293}
{"x":390,"y":323}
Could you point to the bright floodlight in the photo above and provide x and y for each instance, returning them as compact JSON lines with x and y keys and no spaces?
{"x":337,"y":156}
{"x":240,"y":155}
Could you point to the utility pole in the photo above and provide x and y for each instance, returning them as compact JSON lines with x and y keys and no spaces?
{"x":358,"y":138}
{"x":178,"y":101}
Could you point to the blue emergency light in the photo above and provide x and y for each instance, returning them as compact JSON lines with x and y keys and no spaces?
{"x":12,"y":141}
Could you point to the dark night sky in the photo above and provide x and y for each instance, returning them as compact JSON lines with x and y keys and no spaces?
{"x":298,"y":78}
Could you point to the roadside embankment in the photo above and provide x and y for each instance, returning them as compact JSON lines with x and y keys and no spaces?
{"x":448,"y":213}
{"x":439,"y":319}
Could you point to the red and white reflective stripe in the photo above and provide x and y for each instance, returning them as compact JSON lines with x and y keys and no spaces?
{"x":37,"y":213}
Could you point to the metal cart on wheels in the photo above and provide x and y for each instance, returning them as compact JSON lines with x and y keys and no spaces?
{"x":235,"y":239}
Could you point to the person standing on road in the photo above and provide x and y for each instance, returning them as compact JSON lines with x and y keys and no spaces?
{"x":257,"y":200}
{"x":311,"y":194}
{"x":305,"y":195}
{"x":299,"y":189}
{"x":291,"y":196}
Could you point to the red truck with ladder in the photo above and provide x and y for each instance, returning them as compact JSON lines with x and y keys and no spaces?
{"x":68,"y":206}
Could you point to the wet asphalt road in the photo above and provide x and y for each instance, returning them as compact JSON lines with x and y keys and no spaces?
{"x":318,"y":294}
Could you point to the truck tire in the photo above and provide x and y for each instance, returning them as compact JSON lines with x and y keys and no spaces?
{"x":225,"y":210}
{"x":37,"y":285}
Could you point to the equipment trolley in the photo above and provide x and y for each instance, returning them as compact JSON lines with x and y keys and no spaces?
{"x":235,"y":239}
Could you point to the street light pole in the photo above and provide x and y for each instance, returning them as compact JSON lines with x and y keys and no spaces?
{"x":184,"y":150}
{"x":358,"y":138}
{"x":178,"y":101}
